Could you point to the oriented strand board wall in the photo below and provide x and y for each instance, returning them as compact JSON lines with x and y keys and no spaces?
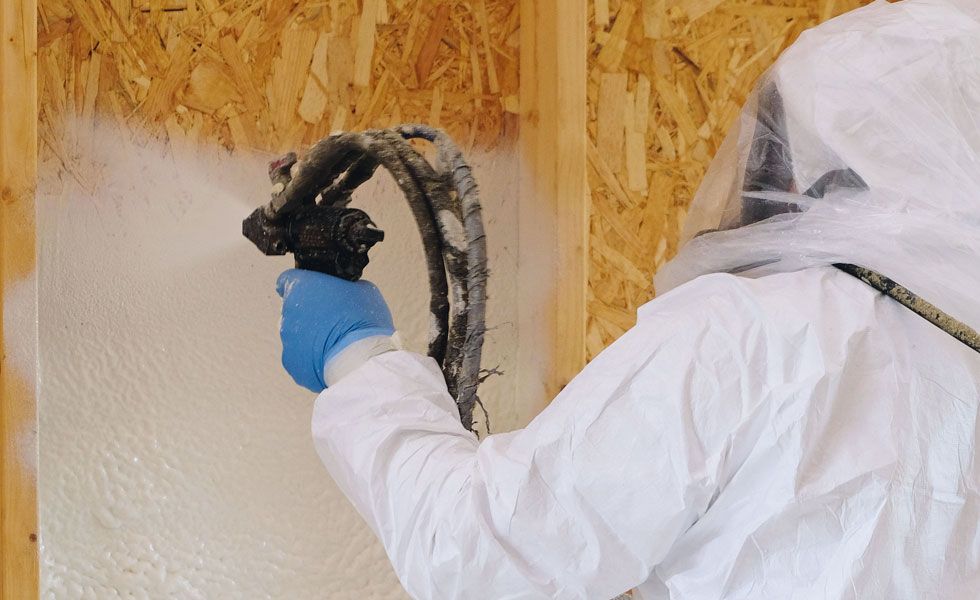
{"x":277,"y":74}
{"x":666,"y":79}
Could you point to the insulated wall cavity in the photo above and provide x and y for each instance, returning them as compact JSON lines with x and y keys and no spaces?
{"x":175,"y":453}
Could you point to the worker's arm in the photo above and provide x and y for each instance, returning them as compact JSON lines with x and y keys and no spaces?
{"x":583,"y":503}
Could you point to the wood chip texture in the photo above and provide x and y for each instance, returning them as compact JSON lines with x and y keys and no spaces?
{"x":688,"y":67}
{"x":274,"y":75}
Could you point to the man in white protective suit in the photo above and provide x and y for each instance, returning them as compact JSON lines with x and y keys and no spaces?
{"x":773,"y":426}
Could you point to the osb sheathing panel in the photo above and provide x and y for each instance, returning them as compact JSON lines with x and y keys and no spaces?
{"x":666,"y":79}
{"x":277,"y":74}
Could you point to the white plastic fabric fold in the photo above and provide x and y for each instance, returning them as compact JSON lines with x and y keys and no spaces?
{"x":890,"y":95}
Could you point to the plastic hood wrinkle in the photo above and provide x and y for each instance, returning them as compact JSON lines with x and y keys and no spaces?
{"x":890,"y":93}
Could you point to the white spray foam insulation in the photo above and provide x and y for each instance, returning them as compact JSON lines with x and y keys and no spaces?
{"x":20,"y":325}
{"x":175,"y":453}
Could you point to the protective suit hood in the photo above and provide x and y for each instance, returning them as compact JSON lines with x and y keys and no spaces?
{"x":883,"y":103}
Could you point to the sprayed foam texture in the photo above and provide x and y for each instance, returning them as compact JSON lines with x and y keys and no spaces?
{"x":176,"y":457}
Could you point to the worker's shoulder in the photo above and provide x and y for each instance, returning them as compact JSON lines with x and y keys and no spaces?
{"x":808,"y":297}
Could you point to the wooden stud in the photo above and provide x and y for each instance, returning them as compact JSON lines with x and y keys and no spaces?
{"x":553,"y":168}
{"x":18,"y":405}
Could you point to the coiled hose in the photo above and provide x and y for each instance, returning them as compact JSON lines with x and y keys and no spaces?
{"x":444,"y":199}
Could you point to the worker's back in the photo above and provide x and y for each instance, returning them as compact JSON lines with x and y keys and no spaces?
{"x":851,"y":469}
{"x":772,"y":427}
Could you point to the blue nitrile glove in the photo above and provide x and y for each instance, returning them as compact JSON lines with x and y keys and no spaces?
{"x":322,"y":315}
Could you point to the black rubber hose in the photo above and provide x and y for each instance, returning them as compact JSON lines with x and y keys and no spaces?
{"x":444,"y":201}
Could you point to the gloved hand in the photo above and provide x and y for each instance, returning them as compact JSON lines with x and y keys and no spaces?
{"x":321,"y":316}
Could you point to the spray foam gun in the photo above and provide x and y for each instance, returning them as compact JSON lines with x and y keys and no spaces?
{"x":309,"y":217}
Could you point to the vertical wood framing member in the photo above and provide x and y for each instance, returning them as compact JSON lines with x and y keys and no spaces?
{"x":18,"y":407}
{"x":554,"y":193}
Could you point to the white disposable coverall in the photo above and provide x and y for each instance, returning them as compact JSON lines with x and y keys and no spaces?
{"x":786,"y":432}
